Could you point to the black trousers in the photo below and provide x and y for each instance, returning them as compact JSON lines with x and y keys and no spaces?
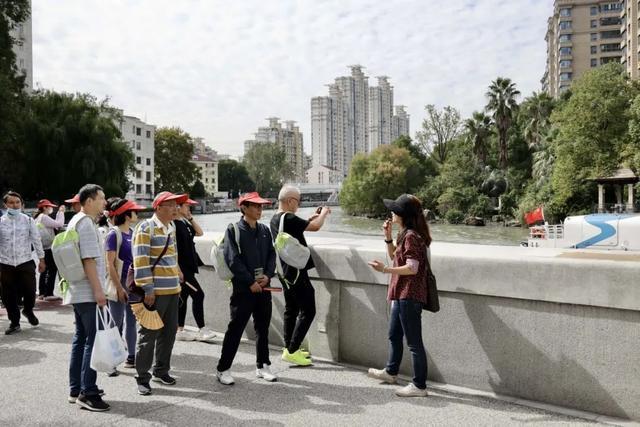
{"x":47,"y":281}
{"x":197,"y":297}
{"x":242,"y":306}
{"x":19,"y":281}
{"x":299,"y":311}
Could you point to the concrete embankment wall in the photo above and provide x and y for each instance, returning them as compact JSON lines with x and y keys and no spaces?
{"x":530,"y":323}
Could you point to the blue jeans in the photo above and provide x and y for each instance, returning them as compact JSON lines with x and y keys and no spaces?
{"x":82,"y":379}
{"x":406,"y":321}
{"x":125,"y":320}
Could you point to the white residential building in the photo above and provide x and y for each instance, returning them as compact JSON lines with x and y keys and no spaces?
{"x":400,"y":123}
{"x":380,"y":113}
{"x":321,"y":174}
{"x":208,"y":172}
{"x":23,"y":48}
{"x":140,"y":137}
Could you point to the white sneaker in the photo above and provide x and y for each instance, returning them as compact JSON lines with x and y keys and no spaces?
{"x":205,"y":335}
{"x":225,"y":377}
{"x":185,"y":336}
{"x":266,"y":374}
{"x":410,"y":390}
{"x":382,"y":375}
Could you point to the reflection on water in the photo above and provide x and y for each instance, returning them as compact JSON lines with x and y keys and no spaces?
{"x":346,"y":226}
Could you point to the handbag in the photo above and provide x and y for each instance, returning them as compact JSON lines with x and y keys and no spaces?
{"x":108,"y":347}
{"x":433,"y":301}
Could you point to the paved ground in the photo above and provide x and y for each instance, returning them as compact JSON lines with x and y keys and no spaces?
{"x":34,"y":387}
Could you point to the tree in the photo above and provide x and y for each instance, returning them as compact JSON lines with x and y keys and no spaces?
{"x":479,"y":129}
{"x":385,"y":173}
{"x":426,"y":166}
{"x":502,"y":104}
{"x":67,"y":141}
{"x":439,"y":129}
{"x":198,"y":190}
{"x":174,"y":170}
{"x":233,"y":176}
{"x":535,"y":112}
{"x":12,"y":12}
{"x":268,"y":167}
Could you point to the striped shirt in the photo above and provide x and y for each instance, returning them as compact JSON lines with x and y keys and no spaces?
{"x":164,"y":279}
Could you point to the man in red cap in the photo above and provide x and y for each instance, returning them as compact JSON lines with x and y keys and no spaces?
{"x":75,"y":203}
{"x":253,"y":264}
{"x":156,"y":272}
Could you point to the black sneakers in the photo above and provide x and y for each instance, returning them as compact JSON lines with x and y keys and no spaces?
{"x":144,"y":389}
{"x":13,"y":329}
{"x":166,"y":379}
{"x":33,"y":320}
{"x":93,"y":403}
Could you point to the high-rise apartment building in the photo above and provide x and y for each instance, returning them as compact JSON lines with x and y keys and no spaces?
{"x":140,"y":136}
{"x":354,"y":118}
{"x":630,"y":33}
{"x":400,"y":123}
{"x":289,"y":138}
{"x":581,"y":35}
{"x":23,"y":48}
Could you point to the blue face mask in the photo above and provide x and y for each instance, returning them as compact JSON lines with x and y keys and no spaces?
{"x":13,"y":212}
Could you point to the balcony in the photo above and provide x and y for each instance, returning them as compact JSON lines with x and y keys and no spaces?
{"x":612,"y":20}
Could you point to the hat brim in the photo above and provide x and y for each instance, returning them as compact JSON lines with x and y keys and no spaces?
{"x":73,"y":200}
{"x":392,"y":206}
{"x":191,"y":202}
{"x":176,"y":197}
{"x":257,"y":201}
{"x":47,"y":205}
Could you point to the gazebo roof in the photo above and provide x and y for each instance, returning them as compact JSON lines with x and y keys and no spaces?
{"x":621,"y":176}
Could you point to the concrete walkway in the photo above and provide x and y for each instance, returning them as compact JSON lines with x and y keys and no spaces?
{"x":34,"y":388}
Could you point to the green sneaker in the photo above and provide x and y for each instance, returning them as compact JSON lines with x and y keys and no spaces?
{"x":297,"y":358}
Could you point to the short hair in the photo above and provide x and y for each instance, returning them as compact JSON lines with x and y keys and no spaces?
{"x":88,"y":191}
{"x":112,"y":205}
{"x":10,"y":193}
{"x":288,"y":191}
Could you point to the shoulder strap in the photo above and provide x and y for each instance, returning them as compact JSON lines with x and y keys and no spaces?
{"x":75,"y":220}
{"x":281,"y":228}
{"x":164,"y":251}
{"x":236,"y":233}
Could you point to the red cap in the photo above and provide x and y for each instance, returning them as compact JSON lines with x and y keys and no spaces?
{"x":191,"y":202}
{"x":166,"y":196}
{"x":44,"y":203}
{"x":128,"y":206}
{"x":253,"y":197}
{"x":74,"y":199}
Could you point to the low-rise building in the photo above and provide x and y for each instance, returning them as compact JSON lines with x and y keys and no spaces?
{"x":140,"y":137}
{"x":208,"y":172}
{"x":321,"y":174}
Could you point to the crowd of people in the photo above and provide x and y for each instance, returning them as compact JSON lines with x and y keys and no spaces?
{"x":155,"y":261}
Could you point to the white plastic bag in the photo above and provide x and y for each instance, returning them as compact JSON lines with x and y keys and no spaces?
{"x":108,"y":347}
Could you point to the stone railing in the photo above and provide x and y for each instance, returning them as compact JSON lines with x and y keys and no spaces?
{"x":537,"y":324}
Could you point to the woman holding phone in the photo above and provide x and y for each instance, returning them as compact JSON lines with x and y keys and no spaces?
{"x":407,"y":291}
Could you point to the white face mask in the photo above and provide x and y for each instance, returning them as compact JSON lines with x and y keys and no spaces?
{"x":48,"y":211}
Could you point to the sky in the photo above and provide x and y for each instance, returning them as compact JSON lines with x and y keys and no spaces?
{"x":218,"y":69}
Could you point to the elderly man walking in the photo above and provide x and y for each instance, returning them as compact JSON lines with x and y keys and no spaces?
{"x":18,"y":233}
{"x":156,"y":272}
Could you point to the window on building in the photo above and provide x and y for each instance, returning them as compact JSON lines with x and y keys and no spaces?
{"x":612,"y":7}
{"x":134,"y":129}
{"x":148,"y":176}
{"x":565,"y":63}
{"x":565,"y":11}
{"x":565,"y":51}
{"x":565,"y":38}
{"x":610,"y":20}
{"x":610,"y":34}
{"x":138,"y":145}
{"x":148,"y":134}
{"x":138,"y":174}
{"x":594,"y":50}
{"x":594,"y":10}
{"x":149,"y":189}
{"x":149,"y":162}
{"x":565,"y":76}
{"x":594,"y":62}
{"x":139,"y":188}
{"x":594,"y":23}
{"x":206,"y":180}
{"x":565,"y":25}
{"x":610,"y":47}
{"x":138,"y":160}
{"x":138,"y":131}
{"x":606,"y":60}
{"x":594,"y":36}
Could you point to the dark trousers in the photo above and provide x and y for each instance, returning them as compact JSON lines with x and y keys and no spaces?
{"x":18,"y":282}
{"x":197,"y":304}
{"x":242,"y":306}
{"x":299,"y":311}
{"x":406,"y":322}
{"x":158,"y":342}
{"x":82,"y":379}
{"x":47,"y":280}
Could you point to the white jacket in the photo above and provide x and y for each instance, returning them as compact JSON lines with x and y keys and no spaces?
{"x":17,"y":235}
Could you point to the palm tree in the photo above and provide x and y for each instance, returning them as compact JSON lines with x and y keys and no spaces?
{"x":502,"y":103}
{"x":479,"y":129}
{"x":536,"y":111}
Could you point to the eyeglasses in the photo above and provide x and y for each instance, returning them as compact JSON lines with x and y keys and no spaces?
{"x":255,"y":205}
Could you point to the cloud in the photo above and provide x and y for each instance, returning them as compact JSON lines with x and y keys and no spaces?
{"x":218,"y":69}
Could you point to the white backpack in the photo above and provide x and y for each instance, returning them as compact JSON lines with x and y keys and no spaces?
{"x":217,"y":255}
{"x":66,"y":251}
{"x":289,"y":250}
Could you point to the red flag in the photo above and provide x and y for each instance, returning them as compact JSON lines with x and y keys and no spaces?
{"x":534,"y":216}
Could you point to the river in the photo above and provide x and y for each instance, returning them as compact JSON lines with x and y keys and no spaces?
{"x":340,"y":224}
